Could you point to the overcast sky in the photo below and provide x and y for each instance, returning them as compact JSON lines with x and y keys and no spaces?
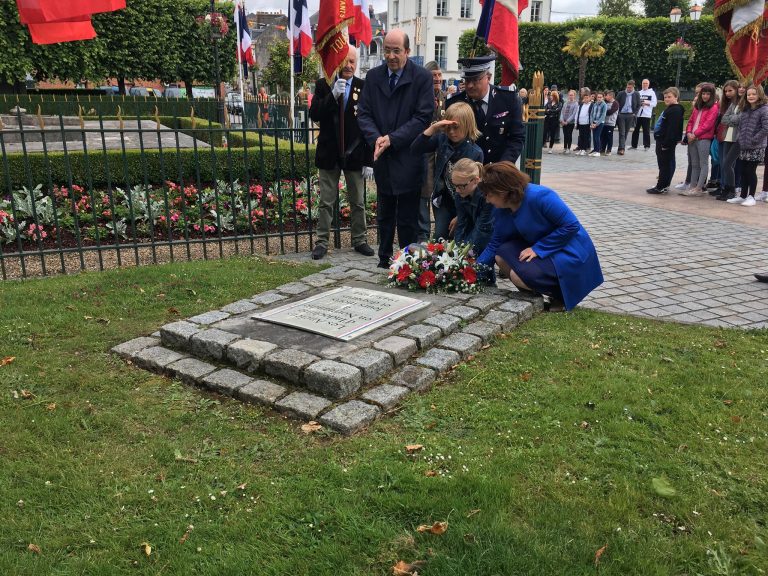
{"x":561,"y":9}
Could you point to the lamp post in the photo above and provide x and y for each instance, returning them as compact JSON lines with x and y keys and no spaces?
{"x":675,"y":16}
{"x":217,"y":69}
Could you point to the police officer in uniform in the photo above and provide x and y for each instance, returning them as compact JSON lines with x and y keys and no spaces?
{"x":498,"y":110}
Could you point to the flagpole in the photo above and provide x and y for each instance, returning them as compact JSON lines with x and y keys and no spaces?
{"x":240,"y":60}
{"x":291,"y":25}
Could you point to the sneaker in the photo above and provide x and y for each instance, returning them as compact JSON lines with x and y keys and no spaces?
{"x":712,"y":185}
{"x":595,"y":154}
{"x":582,"y":153}
{"x":656,"y":190}
{"x":621,"y":152}
{"x":692,"y":192}
{"x":608,"y":153}
{"x":681,"y":186}
{"x":735,"y":200}
{"x":749,"y":201}
{"x":567,"y":151}
{"x":762,"y":196}
{"x":549,"y":150}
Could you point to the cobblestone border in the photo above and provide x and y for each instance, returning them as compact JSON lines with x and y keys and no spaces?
{"x":345,"y":392}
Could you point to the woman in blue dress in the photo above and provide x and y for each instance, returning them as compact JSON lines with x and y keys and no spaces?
{"x":537,"y":242}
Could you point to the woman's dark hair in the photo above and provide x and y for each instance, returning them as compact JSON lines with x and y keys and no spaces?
{"x":505,"y":180}
{"x":724,"y":101}
{"x":699,"y":102}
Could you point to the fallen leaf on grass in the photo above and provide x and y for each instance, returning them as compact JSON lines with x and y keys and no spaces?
{"x":437,"y":528}
{"x":146,"y":548}
{"x":50,"y":407}
{"x":473,"y":512}
{"x":310,"y":427}
{"x":7,"y":360}
{"x":736,"y":419}
{"x":179,"y":458}
{"x":405,"y":569}
{"x":727,"y":402}
{"x":430,"y":473}
{"x":599,"y":554}
{"x":242,"y":486}
{"x":174,"y":311}
{"x":34,"y":548}
{"x":186,"y":534}
{"x":525,"y":376}
{"x":27,"y":395}
{"x":663,"y":488}
{"x":411,"y":448}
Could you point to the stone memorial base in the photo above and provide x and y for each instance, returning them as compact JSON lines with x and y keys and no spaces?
{"x":343,"y":384}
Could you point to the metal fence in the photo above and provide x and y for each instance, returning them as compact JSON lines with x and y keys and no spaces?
{"x":89,"y":192}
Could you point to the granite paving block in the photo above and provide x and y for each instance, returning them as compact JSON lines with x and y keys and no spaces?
{"x":191,"y":370}
{"x":156,"y":358}
{"x":261,"y":392}
{"x":294,"y":288}
{"x":463,"y":312}
{"x":386,"y":395}
{"x":522,"y":308}
{"x":507,"y":320}
{"x":178,"y":334}
{"x":226,"y":381}
{"x":288,"y":364}
{"x":302,"y":405}
{"x":464,"y":344}
{"x":373,"y":363}
{"x":445,"y":322}
{"x":239,"y":307}
{"x":267,"y":298}
{"x":130,"y":348}
{"x":318,"y":280}
{"x":398,"y":347}
{"x":212,"y":343}
{"x":439,"y":359}
{"x":332,"y":379}
{"x":336,"y":272}
{"x":485,"y":303}
{"x":424,"y":334}
{"x":350,"y":417}
{"x":485,"y":330}
{"x":413,"y":377}
{"x":249,"y":354}
{"x":209,"y":317}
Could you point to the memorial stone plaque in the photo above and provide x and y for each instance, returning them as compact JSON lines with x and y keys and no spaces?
{"x":343,"y":313}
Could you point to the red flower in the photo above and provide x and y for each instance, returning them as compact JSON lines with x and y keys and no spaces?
{"x":404,"y":273}
{"x":427,"y":279}
{"x":436,"y":247}
{"x":469,"y":274}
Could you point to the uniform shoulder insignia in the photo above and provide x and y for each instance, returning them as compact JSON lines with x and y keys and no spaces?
{"x":506,"y":88}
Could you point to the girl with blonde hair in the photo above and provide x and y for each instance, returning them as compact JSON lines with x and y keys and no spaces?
{"x":474,"y":220}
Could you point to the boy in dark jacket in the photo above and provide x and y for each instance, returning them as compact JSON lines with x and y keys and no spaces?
{"x":667,"y":132}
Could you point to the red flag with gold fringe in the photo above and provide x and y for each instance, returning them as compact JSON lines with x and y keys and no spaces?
{"x":331,"y":44}
{"x":740,"y":22}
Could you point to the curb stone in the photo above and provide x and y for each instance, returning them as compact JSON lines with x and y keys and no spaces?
{"x":350,"y":417}
{"x":303,"y":405}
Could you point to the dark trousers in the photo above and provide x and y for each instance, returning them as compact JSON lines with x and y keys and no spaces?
{"x":396,"y":211}
{"x":551,"y":130}
{"x":584,"y":138}
{"x":606,"y":138}
{"x":643,"y":124}
{"x":748,"y":178}
{"x":567,"y":136}
{"x":667,"y":165}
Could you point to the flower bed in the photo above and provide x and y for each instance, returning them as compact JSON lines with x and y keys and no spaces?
{"x":68,"y":215}
{"x":435,"y":266}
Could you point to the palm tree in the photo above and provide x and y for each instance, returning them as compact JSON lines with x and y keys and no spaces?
{"x":584,"y":43}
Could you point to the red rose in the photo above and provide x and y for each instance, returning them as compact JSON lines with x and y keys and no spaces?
{"x":404,"y":273}
{"x":427,"y":279}
{"x":469,"y":274}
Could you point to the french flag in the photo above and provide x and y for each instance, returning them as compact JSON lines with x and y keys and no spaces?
{"x":498,"y":27}
{"x":360,"y":29}
{"x":246,"y":54}
{"x":300,"y":33}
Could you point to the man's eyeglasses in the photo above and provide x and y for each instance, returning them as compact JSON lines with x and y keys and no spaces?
{"x":395,"y":51}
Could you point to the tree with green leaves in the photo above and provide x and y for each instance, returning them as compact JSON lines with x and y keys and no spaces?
{"x":277,"y":73}
{"x":661,"y":8}
{"x":615,"y":8}
{"x":708,"y":8}
{"x":583,"y":44}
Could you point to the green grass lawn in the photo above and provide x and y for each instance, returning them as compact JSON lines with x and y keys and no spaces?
{"x":538,"y":453}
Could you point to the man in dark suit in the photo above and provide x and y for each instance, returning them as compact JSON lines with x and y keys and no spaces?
{"x":340,"y":147}
{"x":498,"y":111}
{"x":396,"y":106}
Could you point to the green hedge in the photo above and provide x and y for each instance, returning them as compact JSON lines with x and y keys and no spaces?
{"x":212,"y":163}
{"x":635,"y":48}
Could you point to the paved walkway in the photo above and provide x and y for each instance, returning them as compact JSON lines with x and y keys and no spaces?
{"x":668,"y":257}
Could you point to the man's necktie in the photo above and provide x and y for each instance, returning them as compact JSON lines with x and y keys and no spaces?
{"x":392,"y":82}
{"x":479,"y":114}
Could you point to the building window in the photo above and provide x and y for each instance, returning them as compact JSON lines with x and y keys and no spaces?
{"x":536,"y":11}
{"x":442,"y":8}
{"x":441,"y":48}
{"x":396,"y":11}
{"x":466,"y":8}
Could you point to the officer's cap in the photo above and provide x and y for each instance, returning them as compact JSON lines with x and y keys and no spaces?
{"x":474,"y":67}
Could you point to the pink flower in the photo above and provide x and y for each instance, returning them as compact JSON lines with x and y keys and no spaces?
{"x":36,"y":232}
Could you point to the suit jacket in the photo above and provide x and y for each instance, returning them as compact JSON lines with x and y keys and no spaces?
{"x":546,"y":223}
{"x":622,"y":98}
{"x":350,"y":152}
{"x":503,"y":131}
{"x":403,"y":114}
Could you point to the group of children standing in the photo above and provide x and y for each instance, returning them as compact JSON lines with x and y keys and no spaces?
{"x":593,"y":118}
